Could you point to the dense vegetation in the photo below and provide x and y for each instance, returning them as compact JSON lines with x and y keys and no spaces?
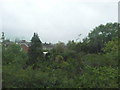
{"x":91,"y":63}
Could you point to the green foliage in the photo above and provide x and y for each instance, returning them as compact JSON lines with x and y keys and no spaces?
{"x":59,"y":58}
{"x":101,"y":77}
{"x":59,"y":48}
{"x":71,"y":65}
{"x":97,"y":60}
{"x":35,"y":50}
{"x":13,"y":54}
{"x":71,"y":45}
{"x":111,"y":50}
{"x":99,"y":36}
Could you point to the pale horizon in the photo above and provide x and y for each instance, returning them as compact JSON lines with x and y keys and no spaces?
{"x":54,"y":20}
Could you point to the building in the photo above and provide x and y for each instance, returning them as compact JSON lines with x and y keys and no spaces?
{"x":24,"y":45}
{"x":47,"y":46}
{"x":7,"y":42}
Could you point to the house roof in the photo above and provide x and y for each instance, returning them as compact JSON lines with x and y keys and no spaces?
{"x":46,"y":45}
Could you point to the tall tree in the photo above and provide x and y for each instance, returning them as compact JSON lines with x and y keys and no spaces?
{"x":99,"y":36}
{"x":35,"y":51}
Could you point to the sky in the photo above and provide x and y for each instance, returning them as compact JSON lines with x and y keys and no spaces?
{"x":54,"y":20}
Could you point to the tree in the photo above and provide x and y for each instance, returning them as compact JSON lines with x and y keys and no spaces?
{"x":10,"y":53}
{"x":99,"y":36}
{"x":35,"y":50}
{"x":71,"y":45}
{"x":111,"y":51}
{"x":59,"y":48}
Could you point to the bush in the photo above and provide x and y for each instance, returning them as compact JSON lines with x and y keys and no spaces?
{"x":101,"y":77}
{"x":99,"y":60}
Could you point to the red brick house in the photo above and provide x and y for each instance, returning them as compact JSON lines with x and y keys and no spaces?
{"x":24,"y":47}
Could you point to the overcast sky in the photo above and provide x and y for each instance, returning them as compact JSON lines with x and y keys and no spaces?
{"x":54,"y":20}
